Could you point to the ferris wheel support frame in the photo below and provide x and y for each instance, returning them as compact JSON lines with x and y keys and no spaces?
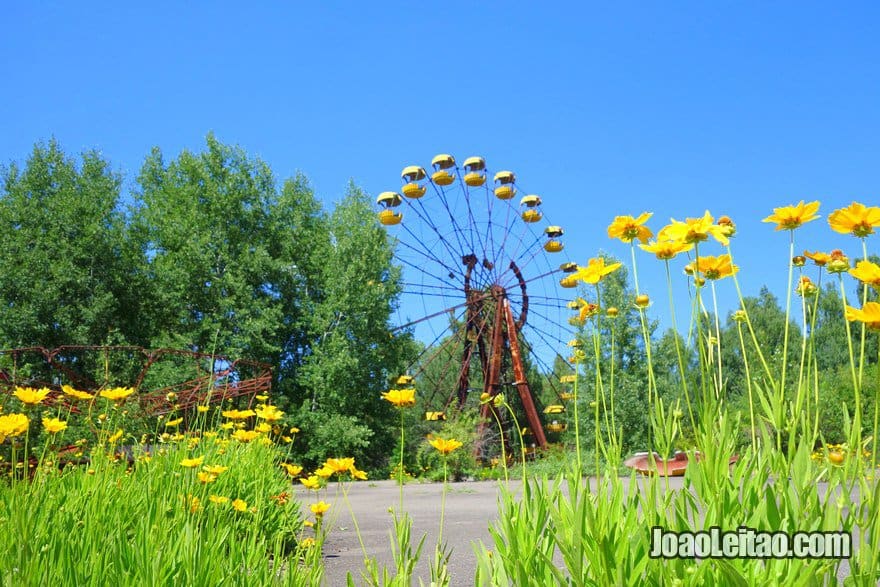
{"x":505,"y":335}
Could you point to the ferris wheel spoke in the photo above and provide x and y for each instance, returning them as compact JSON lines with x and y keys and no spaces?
{"x":549,"y":370}
{"x":441,"y":193}
{"x":551,"y":340}
{"x":449,"y":288}
{"x":422,"y":212}
{"x":523,"y":262}
{"x":429,"y":255}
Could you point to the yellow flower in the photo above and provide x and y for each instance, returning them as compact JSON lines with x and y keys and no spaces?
{"x":693,"y":230}
{"x":262,"y":397}
{"x":226,"y":425}
{"x":340,"y":465}
{"x":665,"y":250}
{"x":269,"y":413}
{"x":588,"y":311}
{"x":239,"y":505}
{"x":116,"y":436}
{"x":54,"y":425}
{"x":627,"y":228}
{"x":205,"y":477}
{"x":263,"y":427}
{"x":445,"y":446}
{"x":596,"y":270}
{"x":202,"y":409}
{"x":856,"y":219}
{"x":819,"y":258}
{"x":791,"y":217}
{"x":324,"y":472}
{"x":308,"y":542}
{"x":238,"y":414}
{"x":358,"y":474}
{"x":194,"y":504}
{"x":173,"y":423}
{"x":215,"y":469}
{"x":868,"y":273}
{"x":401,"y":398}
{"x":715,"y":267}
{"x":192,"y":463}
{"x":292,"y":470}
{"x":12,"y":425}
{"x":319,"y":508}
{"x":245,"y":435}
{"x":218,"y":499}
{"x":311,"y":482}
{"x":869,"y":315}
{"x":117,"y":394}
{"x":74,"y":393}
{"x":30,"y":396}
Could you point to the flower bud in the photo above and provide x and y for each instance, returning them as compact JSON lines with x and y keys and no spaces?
{"x":839,"y":262}
{"x":739,"y":316}
{"x":806,"y":287}
{"x":699,"y":281}
{"x":689,"y":269}
{"x":798,"y":261}
{"x":728,"y":228}
{"x":612,"y":312}
{"x":642,"y":301}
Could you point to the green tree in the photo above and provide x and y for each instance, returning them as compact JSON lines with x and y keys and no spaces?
{"x":354,"y":355}
{"x":68,"y":275}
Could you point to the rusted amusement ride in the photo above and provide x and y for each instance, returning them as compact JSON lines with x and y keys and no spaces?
{"x":163,"y":379}
{"x":482,"y":286}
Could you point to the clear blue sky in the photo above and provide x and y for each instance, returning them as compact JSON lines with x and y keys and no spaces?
{"x":666,"y":107}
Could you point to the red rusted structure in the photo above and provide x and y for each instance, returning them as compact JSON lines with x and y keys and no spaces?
{"x":164,"y":379}
{"x":491,"y":331}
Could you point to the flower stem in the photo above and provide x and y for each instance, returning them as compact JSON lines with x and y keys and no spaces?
{"x":400,"y":470}
{"x":681,"y":371}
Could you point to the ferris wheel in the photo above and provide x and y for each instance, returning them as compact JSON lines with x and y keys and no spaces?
{"x":486,"y":290}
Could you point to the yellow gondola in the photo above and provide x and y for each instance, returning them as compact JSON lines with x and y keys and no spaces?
{"x":475,"y":171}
{"x":434,"y":416}
{"x":567,"y":379}
{"x":556,"y":427}
{"x":389,"y":199}
{"x":568,"y":281}
{"x":554,"y":409}
{"x":413,"y":190}
{"x":531,"y":214}
{"x":553,"y":246}
{"x":566,"y":395}
{"x":505,"y":189}
{"x":412,"y":175}
{"x":569,"y":267}
{"x":390,"y":217}
{"x":441,"y":163}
